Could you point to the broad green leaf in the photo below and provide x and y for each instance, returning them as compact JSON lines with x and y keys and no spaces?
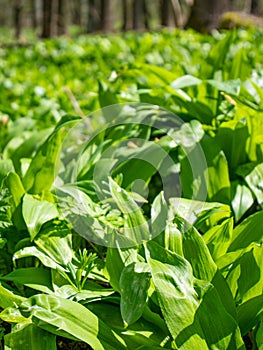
{"x":174,"y":283}
{"x":185,"y":81}
{"x":259,"y":336}
{"x":204,"y":267}
{"x":42,"y":170}
{"x":15,"y":186}
{"x":232,"y":137}
{"x":134,"y":285}
{"x":242,"y":199}
{"x":6,"y":166}
{"x":248,"y":231}
{"x":172,"y":238}
{"x":241,"y":67}
{"x":55,"y":240}
{"x":66,"y":317}
{"x":30,"y":337}
{"x":106,"y":97}
{"x":186,"y":305}
{"x":116,"y":260}
{"x":188,"y":134}
{"x":217,"y":172}
{"x":36,"y":213}
{"x":218,"y":238}
{"x":216,"y":60}
{"x":144,"y":161}
{"x":28,"y":147}
{"x":138,"y":334}
{"x":13,"y":315}
{"x":36,"y":278}
{"x":253,"y":174}
{"x":136,"y":227}
{"x":231,"y":87}
{"x":8,"y":298}
{"x":159,"y":214}
{"x":34,"y":251}
{"x":199,"y":213}
{"x":250,"y":313}
{"x":248,"y":264}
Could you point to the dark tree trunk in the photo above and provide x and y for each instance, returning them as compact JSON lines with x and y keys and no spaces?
{"x":46,"y":19}
{"x":146,"y":15}
{"x":50,"y":18}
{"x":93,"y":16}
{"x":255,"y":7}
{"x":231,"y":5}
{"x":167,"y":18}
{"x":62,"y":19}
{"x":106,"y":23}
{"x":126,"y":15}
{"x":76,"y":12}
{"x":18,"y":7}
{"x":33,"y":14}
{"x":138,"y":14}
{"x":205,"y":14}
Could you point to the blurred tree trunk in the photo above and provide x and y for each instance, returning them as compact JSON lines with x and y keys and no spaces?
{"x":138,"y":15}
{"x":93,"y":16}
{"x":106,"y":22}
{"x":126,"y":15}
{"x":146,"y":15}
{"x":255,"y":7}
{"x":167,"y":18}
{"x":62,"y":18}
{"x":205,"y":14}
{"x":18,"y":7}
{"x":178,"y":15}
{"x":231,"y":5}
{"x":248,"y":6}
{"x":76,"y":12}
{"x":46,"y":19}
{"x":55,"y":18}
{"x":33,"y":13}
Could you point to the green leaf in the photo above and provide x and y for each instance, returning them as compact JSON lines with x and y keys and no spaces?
{"x":242,"y":198}
{"x":159,"y":215}
{"x":134,"y":285}
{"x":116,"y":260}
{"x":55,"y":240}
{"x":34,"y":251}
{"x":65,"y":317}
{"x":36,"y":278}
{"x":185,"y":81}
{"x":259,"y":336}
{"x":43,"y":167}
{"x":8,"y":298}
{"x":136,"y":227}
{"x":36,"y":213}
{"x":139,"y":333}
{"x":204,"y":267}
{"x":186,"y":304}
{"x":232,"y":138}
{"x":253,"y":174}
{"x":250,"y":313}
{"x":244,"y":274}
{"x":218,"y":238}
{"x":216,"y":60}
{"x":15,"y":187}
{"x":198,"y":212}
{"x":6,"y":166}
{"x":250,"y":230}
{"x":218,"y":173}
{"x":30,"y":337}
